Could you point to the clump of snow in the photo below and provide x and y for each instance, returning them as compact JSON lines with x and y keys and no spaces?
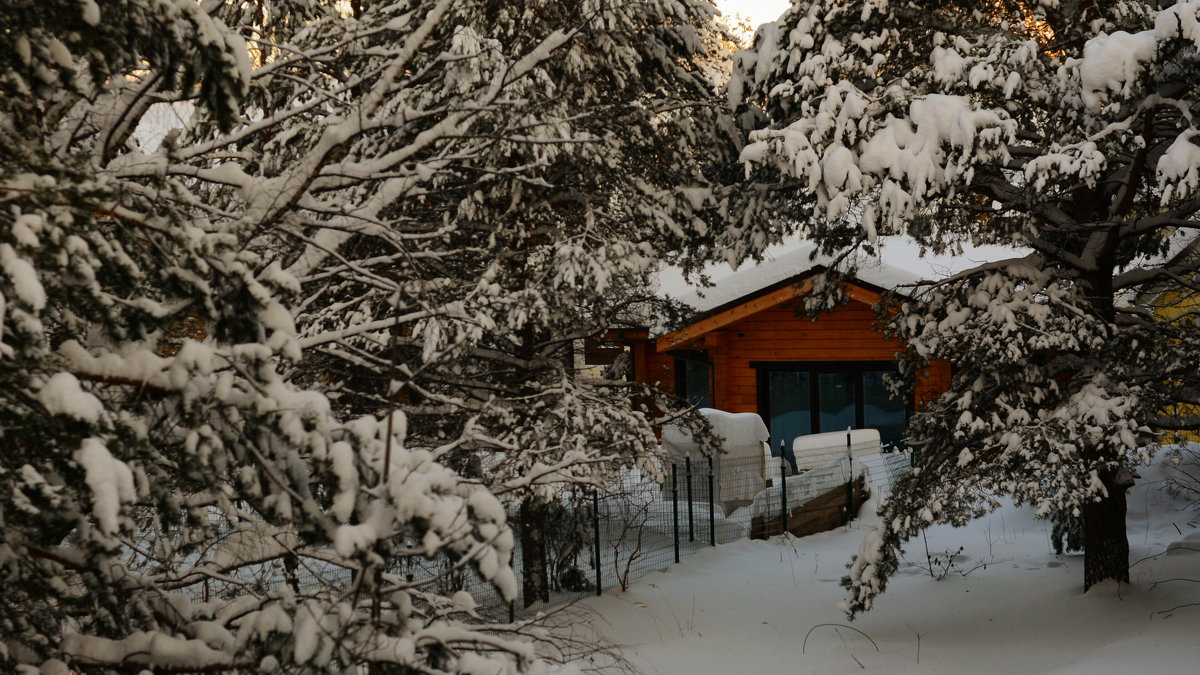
{"x":948,"y":65}
{"x":736,"y":429}
{"x":142,"y":647}
{"x":341,"y":456}
{"x":1178,"y":170}
{"x":816,"y":449}
{"x":62,"y":395}
{"x":23,"y":277}
{"x":91,"y":12}
{"x":110,"y":481}
{"x":1111,"y":63}
{"x":1179,"y":21}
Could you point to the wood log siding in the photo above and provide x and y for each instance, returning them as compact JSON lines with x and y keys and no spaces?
{"x":780,"y":333}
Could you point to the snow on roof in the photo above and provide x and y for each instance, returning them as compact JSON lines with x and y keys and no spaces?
{"x":899,"y":262}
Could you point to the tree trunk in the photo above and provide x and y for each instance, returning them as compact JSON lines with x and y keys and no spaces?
{"x":1105,"y":546}
{"x":535,"y":576}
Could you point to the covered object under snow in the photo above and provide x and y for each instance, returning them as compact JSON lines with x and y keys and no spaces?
{"x":744,"y":461}
{"x":814,"y":450}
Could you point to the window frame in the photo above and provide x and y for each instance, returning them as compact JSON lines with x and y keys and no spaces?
{"x":815,"y":369}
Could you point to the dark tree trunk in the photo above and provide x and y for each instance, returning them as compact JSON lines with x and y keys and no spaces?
{"x":1105,"y":546}
{"x":535,"y":575}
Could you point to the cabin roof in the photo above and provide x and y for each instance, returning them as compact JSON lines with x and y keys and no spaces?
{"x":764,"y":298}
{"x":787,"y":271}
{"x":899,"y":261}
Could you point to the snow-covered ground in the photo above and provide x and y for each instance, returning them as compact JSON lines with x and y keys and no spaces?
{"x":749,"y":607}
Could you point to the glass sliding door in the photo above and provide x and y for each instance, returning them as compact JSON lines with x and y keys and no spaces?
{"x":796,"y":399}
{"x":790,"y":401}
{"x":836,"y":394}
{"x":883,"y":412}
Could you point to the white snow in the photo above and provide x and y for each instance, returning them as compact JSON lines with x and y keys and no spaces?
{"x":161,"y":119}
{"x":1181,"y":20}
{"x":737,"y":429}
{"x":62,"y":395}
{"x":91,"y":12}
{"x":771,"y":606}
{"x":1178,"y":170}
{"x":745,"y":459}
{"x":756,"y":11}
{"x":110,"y":481}
{"x":23,"y":277}
{"x":144,"y":647}
{"x":813,"y":450}
{"x":947,"y":65}
{"x":900,"y":262}
{"x":1112,"y":63}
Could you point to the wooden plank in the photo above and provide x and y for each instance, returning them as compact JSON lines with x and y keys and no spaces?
{"x":682,"y":336}
{"x":827,"y":354}
{"x":822,"y":513}
{"x":776,"y":331}
{"x":718,"y":354}
{"x":640,"y":354}
{"x":861,"y":294}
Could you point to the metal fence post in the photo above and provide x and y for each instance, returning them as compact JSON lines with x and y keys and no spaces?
{"x":850,"y":485}
{"x":691,"y":515}
{"x":675,"y":505}
{"x":712,"y":520}
{"x":596,"y":536}
{"x":783,"y":509}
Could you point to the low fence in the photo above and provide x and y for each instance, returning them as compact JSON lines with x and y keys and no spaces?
{"x":594,"y":541}
{"x":602,"y":541}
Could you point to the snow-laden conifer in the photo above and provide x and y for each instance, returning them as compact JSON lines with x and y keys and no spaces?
{"x":1063,"y":129}
{"x":271,"y":272}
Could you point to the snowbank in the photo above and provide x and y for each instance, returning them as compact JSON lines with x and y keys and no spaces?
{"x":1006,"y":604}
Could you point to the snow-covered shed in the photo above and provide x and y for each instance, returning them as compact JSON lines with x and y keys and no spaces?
{"x":751,"y":348}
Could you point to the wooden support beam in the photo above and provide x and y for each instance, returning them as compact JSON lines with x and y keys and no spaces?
{"x":681,"y":337}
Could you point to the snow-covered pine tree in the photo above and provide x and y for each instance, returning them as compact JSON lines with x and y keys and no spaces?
{"x":557,"y":154}
{"x":1065,"y":129}
{"x":176,"y":493}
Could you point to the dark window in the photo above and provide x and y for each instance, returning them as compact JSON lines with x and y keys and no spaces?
{"x":790,"y":401}
{"x":692,"y":376}
{"x":796,"y":399}
{"x":881,"y":410}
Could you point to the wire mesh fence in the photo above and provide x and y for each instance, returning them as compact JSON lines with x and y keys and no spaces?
{"x":588,"y":542}
{"x":644,"y":527}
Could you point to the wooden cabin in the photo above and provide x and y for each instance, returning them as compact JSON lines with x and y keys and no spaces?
{"x":761,"y":353}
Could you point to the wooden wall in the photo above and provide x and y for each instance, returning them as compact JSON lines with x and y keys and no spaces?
{"x":780,"y":334}
{"x":652,"y":367}
{"x":847,"y":333}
